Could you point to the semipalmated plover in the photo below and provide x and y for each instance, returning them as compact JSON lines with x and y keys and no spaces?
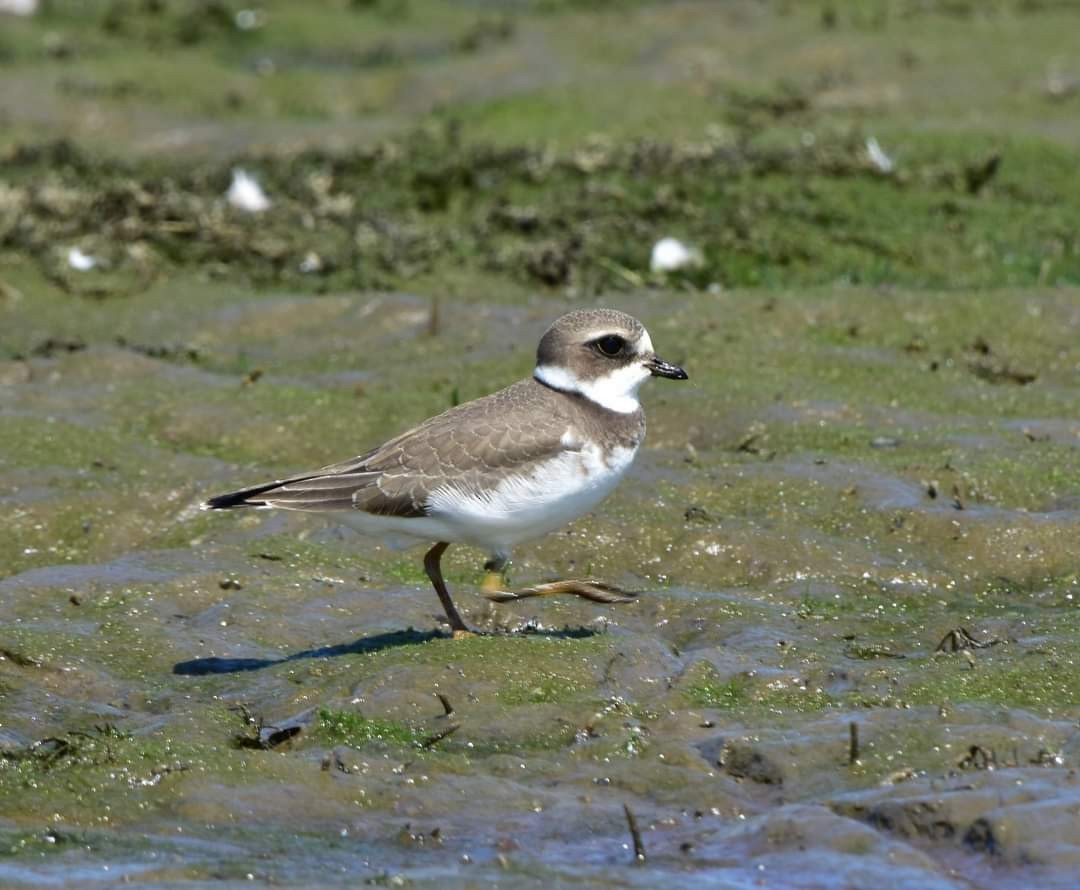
{"x":502,"y":469}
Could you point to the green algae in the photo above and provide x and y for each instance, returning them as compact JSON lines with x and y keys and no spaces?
{"x":708,"y":690}
{"x":73,"y":777}
{"x":751,"y":207}
{"x":58,"y":444}
{"x":877,"y":444}
{"x":541,"y":687}
{"x":353,"y":729}
{"x":745,"y":696}
{"x":1042,"y":679}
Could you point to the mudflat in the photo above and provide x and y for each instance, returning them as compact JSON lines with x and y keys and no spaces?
{"x":854,"y":532}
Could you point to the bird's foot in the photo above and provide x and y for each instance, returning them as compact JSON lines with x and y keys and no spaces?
{"x":597,"y":591}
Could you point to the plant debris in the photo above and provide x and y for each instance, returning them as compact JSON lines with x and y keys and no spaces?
{"x":958,"y":639}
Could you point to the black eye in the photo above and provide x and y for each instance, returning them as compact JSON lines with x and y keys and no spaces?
{"x":611,"y":345}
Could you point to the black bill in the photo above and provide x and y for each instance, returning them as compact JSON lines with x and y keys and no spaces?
{"x":659,"y":368}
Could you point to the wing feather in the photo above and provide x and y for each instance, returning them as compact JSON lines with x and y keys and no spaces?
{"x":471,"y":445}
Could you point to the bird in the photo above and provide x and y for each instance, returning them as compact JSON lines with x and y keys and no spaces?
{"x":500,"y":470}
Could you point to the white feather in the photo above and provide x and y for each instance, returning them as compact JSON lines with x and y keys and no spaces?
{"x":877,"y":156}
{"x":245,"y":193}
{"x":670,"y":255}
{"x":81,"y":262}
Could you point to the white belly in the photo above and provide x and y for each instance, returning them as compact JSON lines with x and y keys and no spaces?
{"x":520,"y":508}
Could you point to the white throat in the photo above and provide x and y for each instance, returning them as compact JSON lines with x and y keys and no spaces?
{"x":616,"y":391}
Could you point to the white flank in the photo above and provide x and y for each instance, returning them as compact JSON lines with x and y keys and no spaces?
{"x":396,"y":532}
{"x":518,"y":509}
{"x":670,"y":255}
{"x":79,"y":261}
{"x":527,"y":506}
{"x":616,"y":391}
{"x":245,"y":193}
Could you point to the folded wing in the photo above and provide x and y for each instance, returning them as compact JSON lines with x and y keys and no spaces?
{"x":472,"y":446}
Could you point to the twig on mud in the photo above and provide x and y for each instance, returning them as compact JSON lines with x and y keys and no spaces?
{"x":958,"y":639}
{"x":259,"y":735}
{"x":635,"y":835}
{"x":432,"y":740}
{"x":853,"y":743}
{"x":251,"y":737}
{"x":448,"y":708}
{"x":18,"y":658}
{"x":978,"y":757}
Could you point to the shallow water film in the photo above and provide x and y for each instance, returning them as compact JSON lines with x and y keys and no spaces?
{"x":854,"y":656}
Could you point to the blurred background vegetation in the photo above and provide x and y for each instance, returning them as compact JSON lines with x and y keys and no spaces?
{"x":510,"y":146}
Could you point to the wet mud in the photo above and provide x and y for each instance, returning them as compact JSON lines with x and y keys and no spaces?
{"x":853,"y":657}
{"x":196,"y":697}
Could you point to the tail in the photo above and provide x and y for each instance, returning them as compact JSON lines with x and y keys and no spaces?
{"x":245,"y":497}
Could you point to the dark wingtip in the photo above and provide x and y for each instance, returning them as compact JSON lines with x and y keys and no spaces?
{"x":240,"y":498}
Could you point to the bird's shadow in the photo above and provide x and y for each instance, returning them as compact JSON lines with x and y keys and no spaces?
{"x":198,"y":667}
